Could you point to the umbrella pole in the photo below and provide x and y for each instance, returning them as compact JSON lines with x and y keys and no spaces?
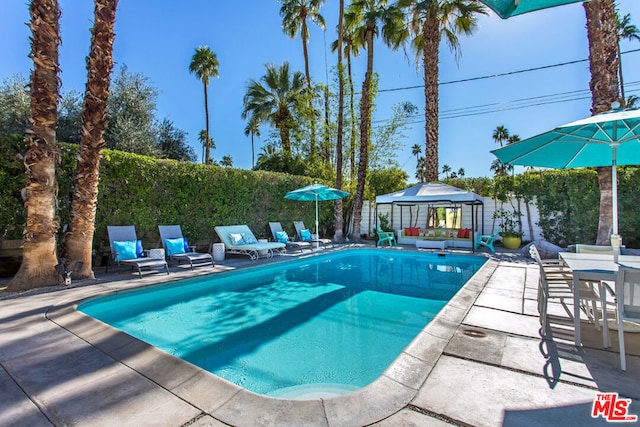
{"x":614,"y":190}
{"x":317,"y":235}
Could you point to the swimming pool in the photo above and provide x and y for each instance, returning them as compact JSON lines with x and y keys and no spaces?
{"x":330,"y":323}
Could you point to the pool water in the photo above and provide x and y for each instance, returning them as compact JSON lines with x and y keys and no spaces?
{"x":324,"y":325}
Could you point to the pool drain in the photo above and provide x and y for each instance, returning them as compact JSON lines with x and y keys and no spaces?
{"x":474,"y":333}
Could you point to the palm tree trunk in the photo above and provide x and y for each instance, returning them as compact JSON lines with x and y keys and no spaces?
{"x":42,"y":157}
{"x":603,"y":64}
{"x":352,"y":145}
{"x":430,"y":51}
{"x":365,"y":117}
{"x":339,"y":221}
{"x":79,"y":238}
{"x":207,"y":142}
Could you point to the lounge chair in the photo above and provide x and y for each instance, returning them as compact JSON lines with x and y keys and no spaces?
{"x":385,"y":236}
{"x":628,"y":305}
{"x":486,"y":240}
{"x":305,"y":235}
{"x":238,"y":239}
{"x":175,"y":246}
{"x":126,"y":249}
{"x":279,"y":235}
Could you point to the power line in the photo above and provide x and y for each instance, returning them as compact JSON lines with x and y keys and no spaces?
{"x":490,"y":76}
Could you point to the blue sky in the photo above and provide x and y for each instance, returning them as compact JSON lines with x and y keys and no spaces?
{"x":158,"y":39}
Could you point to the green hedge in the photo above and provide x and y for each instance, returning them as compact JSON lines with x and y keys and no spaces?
{"x":146,"y":192}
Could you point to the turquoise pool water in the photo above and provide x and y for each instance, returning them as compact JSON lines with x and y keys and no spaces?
{"x":330,"y":323}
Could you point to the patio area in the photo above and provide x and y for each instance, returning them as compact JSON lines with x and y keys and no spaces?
{"x":480,"y":362}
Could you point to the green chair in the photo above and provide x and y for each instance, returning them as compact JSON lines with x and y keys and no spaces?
{"x":385,"y":236}
{"x":486,"y":240}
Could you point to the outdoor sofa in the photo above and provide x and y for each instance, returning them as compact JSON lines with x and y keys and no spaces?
{"x":452,"y":237}
{"x":238,"y":239}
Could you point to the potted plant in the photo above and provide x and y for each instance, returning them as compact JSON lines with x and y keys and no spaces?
{"x":510,"y":226}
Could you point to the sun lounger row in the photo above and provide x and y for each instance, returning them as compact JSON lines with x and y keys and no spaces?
{"x":126,"y":248}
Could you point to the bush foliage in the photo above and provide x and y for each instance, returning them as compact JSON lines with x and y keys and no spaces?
{"x":147,"y":192}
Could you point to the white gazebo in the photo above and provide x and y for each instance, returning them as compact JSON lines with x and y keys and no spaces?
{"x":430,"y":195}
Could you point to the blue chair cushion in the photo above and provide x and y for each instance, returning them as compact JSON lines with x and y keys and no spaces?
{"x":139,"y":250}
{"x":124,"y":250}
{"x":174,"y":246}
{"x":186,"y":245}
{"x":282,"y":236}
{"x":305,"y":235}
{"x":248,"y":239}
{"x":236,"y":239}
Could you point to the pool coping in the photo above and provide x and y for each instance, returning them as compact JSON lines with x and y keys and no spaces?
{"x":392,"y":391}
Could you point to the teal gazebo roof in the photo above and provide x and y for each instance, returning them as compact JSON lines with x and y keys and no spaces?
{"x":507,"y":8}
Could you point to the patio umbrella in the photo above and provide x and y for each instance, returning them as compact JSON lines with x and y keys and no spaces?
{"x":317,"y":192}
{"x":606,"y":139}
{"x":508,"y":8}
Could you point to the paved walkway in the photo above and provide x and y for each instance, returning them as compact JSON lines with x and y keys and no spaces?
{"x":480,"y":362}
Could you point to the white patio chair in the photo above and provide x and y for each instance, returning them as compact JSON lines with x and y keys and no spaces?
{"x":627,"y":304}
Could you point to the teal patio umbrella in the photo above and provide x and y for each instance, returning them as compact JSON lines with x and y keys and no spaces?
{"x":317,"y":192}
{"x":606,"y":139}
{"x":508,"y":8}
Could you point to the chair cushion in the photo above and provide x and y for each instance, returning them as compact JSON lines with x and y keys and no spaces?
{"x":236,"y":239}
{"x":174,"y":246}
{"x":305,"y":235}
{"x":186,"y":245}
{"x":282,"y":236}
{"x":248,"y":239}
{"x":124,"y":249}
{"x":139,"y":249}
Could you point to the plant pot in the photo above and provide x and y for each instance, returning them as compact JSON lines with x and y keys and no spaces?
{"x":510,"y":242}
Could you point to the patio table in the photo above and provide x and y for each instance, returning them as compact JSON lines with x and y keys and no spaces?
{"x":594,"y":267}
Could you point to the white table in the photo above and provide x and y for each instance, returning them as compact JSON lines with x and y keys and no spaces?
{"x":594,"y":267}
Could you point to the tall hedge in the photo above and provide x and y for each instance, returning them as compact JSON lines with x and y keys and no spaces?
{"x":146,"y":192}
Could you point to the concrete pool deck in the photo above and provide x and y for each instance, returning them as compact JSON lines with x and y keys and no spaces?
{"x":481,"y":362}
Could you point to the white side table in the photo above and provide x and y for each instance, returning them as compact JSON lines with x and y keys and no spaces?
{"x":156,"y":253}
{"x":263,"y":253}
{"x":218,"y":251}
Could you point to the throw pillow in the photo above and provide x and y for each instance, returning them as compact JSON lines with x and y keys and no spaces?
{"x":408,"y":231}
{"x":248,"y":239}
{"x":282,"y":236}
{"x":186,"y":245}
{"x":305,"y":235}
{"x":174,"y":246}
{"x":236,"y":239}
{"x":139,"y":250}
{"x":124,"y":250}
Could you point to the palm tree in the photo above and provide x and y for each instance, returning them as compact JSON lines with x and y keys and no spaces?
{"x":500,"y":135}
{"x":604,"y":66}
{"x":294,"y":19}
{"x":625,"y":30}
{"x":206,"y":141}
{"x":420,"y":169}
{"x":370,"y":18}
{"x":272,"y":100}
{"x":461,"y":172}
{"x":446,"y":169}
{"x":416,"y":150}
{"x":79,"y":237}
{"x":41,"y":159}
{"x":351,"y":48}
{"x":204,"y":64}
{"x":253,"y":129}
{"x":227,"y":161}
{"x":339,"y":214}
{"x":430,"y":21}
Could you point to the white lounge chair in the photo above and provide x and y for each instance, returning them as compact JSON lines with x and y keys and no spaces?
{"x":171,"y":235}
{"x":126,"y":251}
{"x":276,"y":228}
{"x":300,"y":230}
{"x":628,"y":304}
{"x":238,"y":239}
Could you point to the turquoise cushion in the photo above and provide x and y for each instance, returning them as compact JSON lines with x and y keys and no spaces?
{"x":174,"y":246}
{"x":305,"y":235}
{"x":236,"y":239}
{"x":139,"y":250}
{"x":124,"y":250}
{"x":282,"y":236}
{"x":248,"y":239}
